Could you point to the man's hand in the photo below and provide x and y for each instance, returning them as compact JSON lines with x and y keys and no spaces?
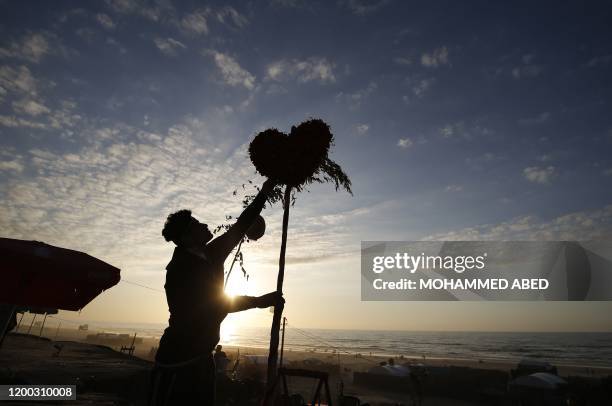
{"x":271,"y":299}
{"x":268,"y":186}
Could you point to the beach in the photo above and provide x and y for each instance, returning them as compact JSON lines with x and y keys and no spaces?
{"x":92,"y":360}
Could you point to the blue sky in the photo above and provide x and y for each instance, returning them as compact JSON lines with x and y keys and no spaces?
{"x":487,"y":121}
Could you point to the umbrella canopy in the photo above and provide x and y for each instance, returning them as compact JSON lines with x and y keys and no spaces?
{"x":391,"y":370}
{"x":33,"y":273}
{"x":539,"y":380}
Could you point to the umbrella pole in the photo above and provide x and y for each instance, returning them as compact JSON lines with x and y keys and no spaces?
{"x":57,"y":331}
{"x":278,"y":310}
{"x":43,"y":325}
{"x":8,"y":310}
{"x":20,"y":320}
{"x":32,"y":323}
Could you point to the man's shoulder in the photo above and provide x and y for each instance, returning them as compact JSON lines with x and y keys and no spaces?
{"x":183,"y":257}
{"x":180,"y":258}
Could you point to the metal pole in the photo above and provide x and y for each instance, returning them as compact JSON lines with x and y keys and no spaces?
{"x":20,"y":320}
{"x":32,"y":323}
{"x":43,"y":325}
{"x":132,"y":346}
{"x":282,"y":342}
{"x":57,"y":331}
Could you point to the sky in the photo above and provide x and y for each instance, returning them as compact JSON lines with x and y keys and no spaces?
{"x":487,"y":121}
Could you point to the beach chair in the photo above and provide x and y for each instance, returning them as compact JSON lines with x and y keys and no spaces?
{"x":285,"y":399}
{"x":128,"y":349}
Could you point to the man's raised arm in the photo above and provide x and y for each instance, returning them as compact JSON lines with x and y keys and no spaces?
{"x":220,"y":247}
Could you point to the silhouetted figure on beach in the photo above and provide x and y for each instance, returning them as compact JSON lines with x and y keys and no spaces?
{"x":221,"y":359}
{"x":184,"y":371}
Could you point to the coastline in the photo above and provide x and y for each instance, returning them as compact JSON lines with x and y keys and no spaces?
{"x":360,"y":361}
{"x":104,"y":374}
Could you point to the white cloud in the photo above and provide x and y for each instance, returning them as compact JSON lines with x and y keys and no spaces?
{"x":311,"y":69}
{"x":447,"y":131}
{"x":123,"y":6}
{"x":11,"y":166}
{"x":30,"y":107}
{"x":435,"y":58}
{"x":454,"y":188}
{"x":404,"y":142}
{"x":355,"y":99}
{"x":539,"y":174}
{"x":105,"y":21}
{"x":229,"y":14}
{"x":422,"y":86}
{"x":233,"y":74}
{"x":403,"y":61}
{"x":196,"y":22}
{"x":18,"y":80}
{"x":468,"y":131}
{"x":15,"y":122}
{"x":168,"y":46}
{"x":153,"y":11}
{"x":585,"y":225}
{"x":362,"y":129}
{"x":32,"y":47}
{"x":113,"y":42}
{"x":122,"y":188}
{"x":545,"y":158}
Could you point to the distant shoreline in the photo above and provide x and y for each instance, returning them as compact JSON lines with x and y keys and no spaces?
{"x":146,"y":344}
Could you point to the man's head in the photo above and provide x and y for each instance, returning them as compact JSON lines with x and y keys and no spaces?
{"x":184,"y":230}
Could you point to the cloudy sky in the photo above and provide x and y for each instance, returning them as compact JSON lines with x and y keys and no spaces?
{"x":483,"y":122}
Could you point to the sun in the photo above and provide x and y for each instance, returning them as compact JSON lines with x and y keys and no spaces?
{"x":238,"y":285}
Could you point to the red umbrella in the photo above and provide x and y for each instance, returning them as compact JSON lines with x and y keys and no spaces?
{"x":33,"y":273}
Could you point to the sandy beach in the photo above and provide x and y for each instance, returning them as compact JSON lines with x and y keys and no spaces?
{"x":104,"y":375}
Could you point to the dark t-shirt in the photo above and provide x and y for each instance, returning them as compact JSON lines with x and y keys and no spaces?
{"x":194,"y":291}
{"x":197,"y":304}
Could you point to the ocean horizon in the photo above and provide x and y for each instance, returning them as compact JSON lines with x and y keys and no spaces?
{"x":563,"y":348}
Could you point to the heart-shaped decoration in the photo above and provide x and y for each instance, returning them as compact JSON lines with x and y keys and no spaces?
{"x":291,"y":159}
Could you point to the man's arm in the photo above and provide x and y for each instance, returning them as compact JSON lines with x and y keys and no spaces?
{"x":220,"y":247}
{"x":240,"y":303}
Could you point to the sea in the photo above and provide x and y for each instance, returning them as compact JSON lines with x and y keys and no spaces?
{"x":567,"y":348}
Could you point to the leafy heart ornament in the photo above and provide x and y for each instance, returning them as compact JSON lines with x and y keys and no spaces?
{"x":292,"y":159}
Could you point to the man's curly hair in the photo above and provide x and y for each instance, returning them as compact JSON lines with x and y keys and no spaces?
{"x":175,"y":225}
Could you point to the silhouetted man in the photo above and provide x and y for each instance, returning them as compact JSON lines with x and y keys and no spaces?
{"x":221,"y":359}
{"x":184,"y":370}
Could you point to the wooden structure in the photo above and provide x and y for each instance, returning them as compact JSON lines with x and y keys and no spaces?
{"x":285,"y":397}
